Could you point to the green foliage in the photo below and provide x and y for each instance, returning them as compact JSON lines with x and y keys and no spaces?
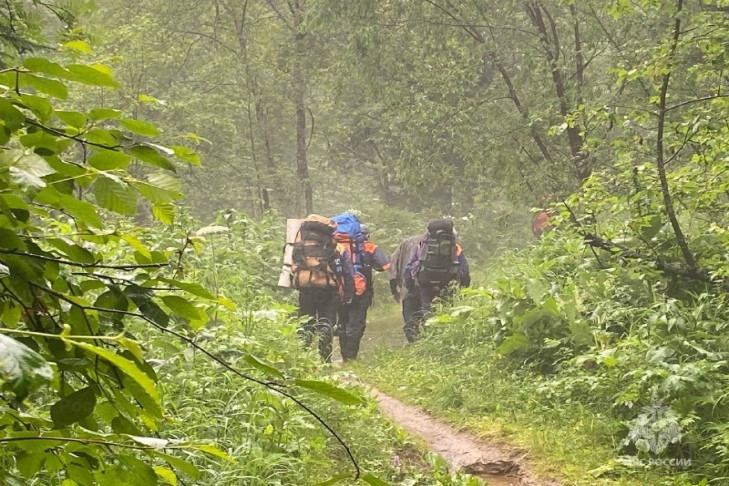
{"x":95,"y":305}
{"x":21,"y":368}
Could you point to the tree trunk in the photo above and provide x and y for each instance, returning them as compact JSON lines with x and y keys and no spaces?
{"x":299,"y":82}
{"x":550,"y":43}
{"x":254,"y":98}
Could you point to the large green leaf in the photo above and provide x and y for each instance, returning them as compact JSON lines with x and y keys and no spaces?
{"x":179,"y":464}
{"x":96,"y":75}
{"x":38,"y":105}
{"x":43,"y":65}
{"x":29,"y":463}
{"x":166,"y":182}
{"x":77,"y":45}
{"x":186,"y":154}
{"x":164,"y":213}
{"x":159,"y":194}
{"x":214,"y":451}
{"x":74,"y":408}
{"x":115,"y":195}
{"x":46,"y":144}
{"x":48,"y":86}
{"x":142,"y":298}
{"x":26,"y":168}
{"x":191,"y":287}
{"x":181,"y":307}
{"x":140,"y":127}
{"x":260,"y":365}
{"x":85,"y":213}
{"x":21,"y":368}
{"x":129,"y":368}
{"x":513,"y":343}
{"x":331,"y":391}
{"x":150,"y":156}
{"x":75,"y":119}
{"x":374,"y":480}
{"x":109,"y":160}
{"x":11,"y":117}
{"x":100,"y":136}
{"x":129,"y":471}
{"x":75,"y":252}
{"x":100,"y":114}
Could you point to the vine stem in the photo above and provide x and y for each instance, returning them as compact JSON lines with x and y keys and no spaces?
{"x":83,"y":265}
{"x":91,"y":441}
{"x":5,"y":330}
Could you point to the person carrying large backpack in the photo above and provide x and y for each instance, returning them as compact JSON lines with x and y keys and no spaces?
{"x":366,"y":257}
{"x":322,"y":272}
{"x":410,"y":300}
{"x":436,"y":264}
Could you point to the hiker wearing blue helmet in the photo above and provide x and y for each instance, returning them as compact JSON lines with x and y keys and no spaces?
{"x":366,"y":257}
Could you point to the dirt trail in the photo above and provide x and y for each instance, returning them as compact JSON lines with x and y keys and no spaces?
{"x":497,"y":465}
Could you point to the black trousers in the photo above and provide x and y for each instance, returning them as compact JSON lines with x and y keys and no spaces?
{"x":321,"y":307}
{"x":411,"y":314}
{"x":352,"y":323}
{"x":426,"y":296}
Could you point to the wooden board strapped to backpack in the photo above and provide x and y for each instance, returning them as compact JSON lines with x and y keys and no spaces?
{"x":292,"y":229}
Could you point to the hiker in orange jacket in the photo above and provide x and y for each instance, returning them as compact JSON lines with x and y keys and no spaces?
{"x":542,"y":220}
{"x":353,"y":317}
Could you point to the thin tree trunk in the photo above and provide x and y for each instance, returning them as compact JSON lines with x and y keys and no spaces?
{"x":254,"y":98}
{"x":552,"y":52}
{"x":299,"y":82}
{"x":522,"y":110}
{"x":660,"y":160}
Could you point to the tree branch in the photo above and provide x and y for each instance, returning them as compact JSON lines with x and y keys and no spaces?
{"x":78,"y":139}
{"x":673,"y":269}
{"x":83,"y":265}
{"x":90,"y":442}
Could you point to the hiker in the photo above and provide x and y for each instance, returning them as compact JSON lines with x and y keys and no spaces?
{"x":436,"y":265}
{"x":541,"y":224}
{"x":322,"y":272}
{"x":366,"y":257}
{"x":542,"y":220}
{"x":410,"y":300}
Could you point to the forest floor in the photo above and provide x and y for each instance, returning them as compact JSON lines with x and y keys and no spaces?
{"x":497,"y":464}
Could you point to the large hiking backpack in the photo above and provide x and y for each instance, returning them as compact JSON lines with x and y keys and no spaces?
{"x":349,"y":234}
{"x":313,"y":251}
{"x":438,"y":260}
